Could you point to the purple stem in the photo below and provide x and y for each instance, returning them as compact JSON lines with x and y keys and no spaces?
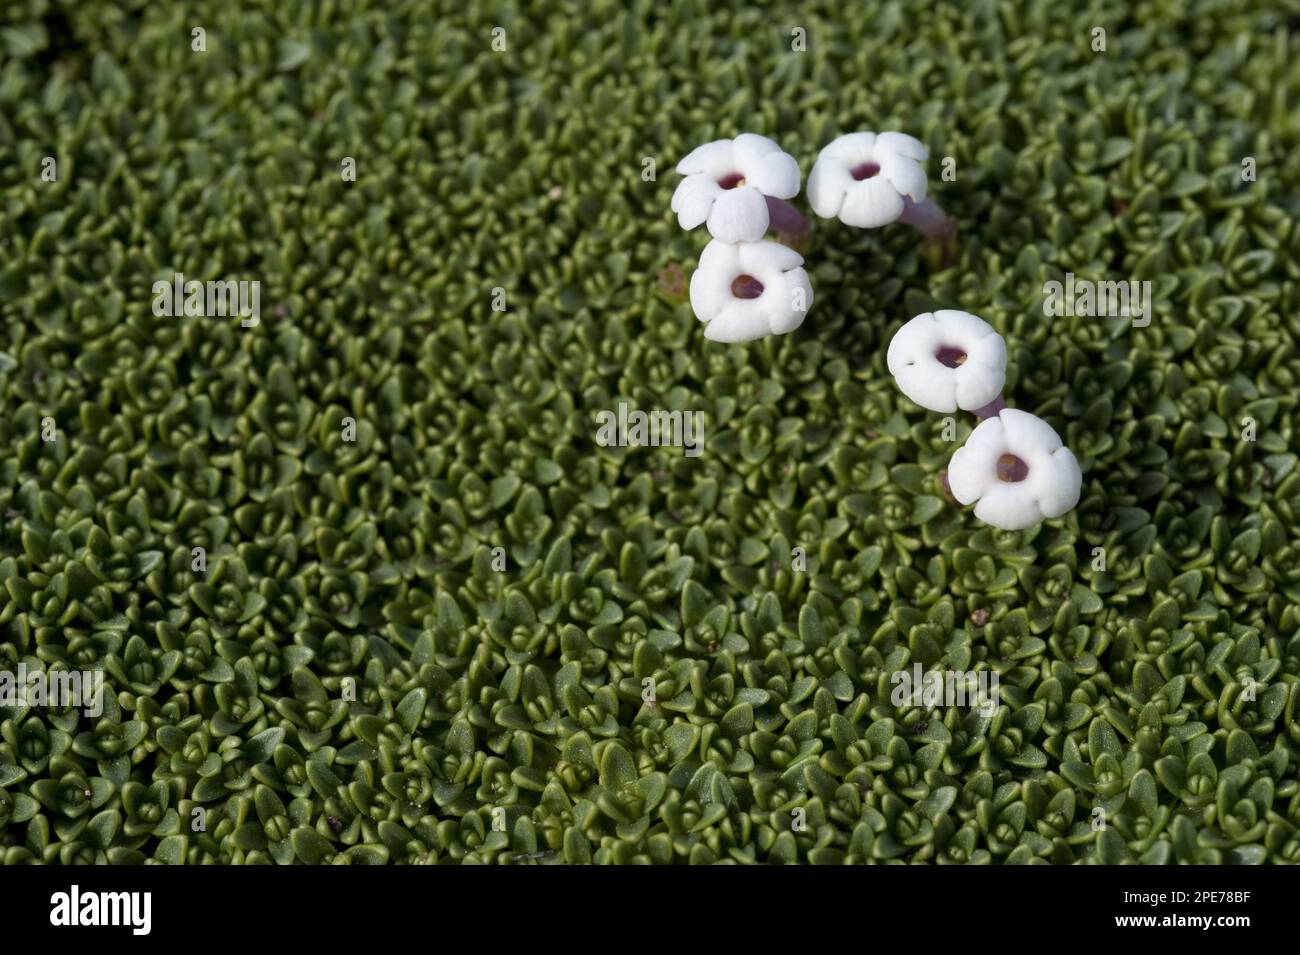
{"x":929,"y":218}
{"x":783,"y":217}
{"x":991,"y":409}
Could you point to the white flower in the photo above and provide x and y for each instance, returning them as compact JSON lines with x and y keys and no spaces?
{"x":947,"y":360}
{"x":1016,"y":468}
{"x":727,"y":182}
{"x":750,"y":289}
{"x":863,"y":177}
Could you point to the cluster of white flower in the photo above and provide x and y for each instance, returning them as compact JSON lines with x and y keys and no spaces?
{"x":746,"y":286}
{"x":1013,"y":467}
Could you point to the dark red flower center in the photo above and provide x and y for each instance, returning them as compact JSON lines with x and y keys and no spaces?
{"x":1012,"y":469}
{"x":950,"y":356}
{"x":865,"y":170}
{"x":746,"y":286}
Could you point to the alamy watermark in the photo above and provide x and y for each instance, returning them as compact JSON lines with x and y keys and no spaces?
{"x":1124,"y":299}
{"x":77,"y":908}
{"x":654,"y":429}
{"x":213,"y":299}
{"x":946,"y":688}
{"x":60,"y":688}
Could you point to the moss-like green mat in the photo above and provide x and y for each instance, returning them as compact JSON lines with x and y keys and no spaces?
{"x":359,"y":675}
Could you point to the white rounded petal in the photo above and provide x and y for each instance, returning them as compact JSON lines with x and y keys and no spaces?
{"x":1029,"y":432}
{"x":972,"y":471}
{"x":1066,"y":484}
{"x":738,"y":215}
{"x":743,"y":320}
{"x":903,"y":145}
{"x":930,"y":391}
{"x":750,"y":148}
{"x":766,"y":260}
{"x":828,"y":182}
{"x":871,"y":203}
{"x":714,"y":159}
{"x":981,"y":379}
{"x":1050,"y":489}
{"x":963,"y":327}
{"x":904,"y":174}
{"x":711,"y":283}
{"x":720,"y":257}
{"x":915,"y":340}
{"x":988,"y":352}
{"x":918,"y":374}
{"x":708,"y":298}
{"x":693,"y":200}
{"x":791,"y":307}
{"x":1008,"y":507}
{"x":776,"y":174}
{"x":850,"y":149}
{"x":782,"y":306}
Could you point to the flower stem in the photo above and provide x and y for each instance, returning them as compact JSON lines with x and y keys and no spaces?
{"x":928,"y":217}
{"x":939,"y":230}
{"x":991,"y":409}
{"x":785,"y":218}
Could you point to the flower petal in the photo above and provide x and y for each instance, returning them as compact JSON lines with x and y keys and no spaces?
{"x":714,"y":159}
{"x":741,"y":321}
{"x":794,"y":296}
{"x":978,"y":383}
{"x":749,"y":149}
{"x":965,"y":328}
{"x":721,"y":258}
{"x":693,"y":199}
{"x":1066,"y":484}
{"x":711,"y":282}
{"x":905,"y":175}
{"x":931,"y":390}
{"x":903,"y":145}
{"x":738,"y":215}
{"x":766,"y":260}
{"x":973,"y":468}
{"x":915,"y":340}
{"x":1009,"y":507}
{"x":871,"y":203}
{"x":850,"y":149}
{"x":828,"y":183}
{"x":776,"y":174}
{"x":1028,"y":433}
{"x":989,"y":352}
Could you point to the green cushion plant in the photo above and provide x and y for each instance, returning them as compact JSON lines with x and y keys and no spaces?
{"x":363,"y":586}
